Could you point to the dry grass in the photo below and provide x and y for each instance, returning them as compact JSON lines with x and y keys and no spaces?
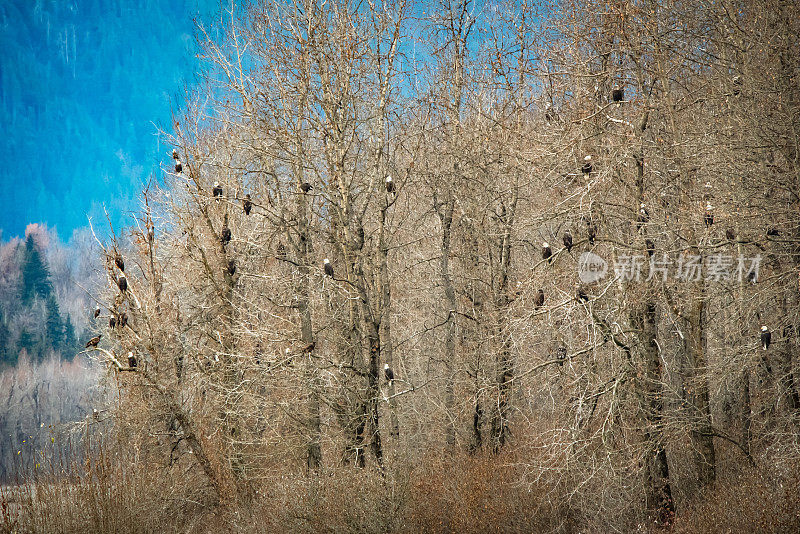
{"x":465,"y":494}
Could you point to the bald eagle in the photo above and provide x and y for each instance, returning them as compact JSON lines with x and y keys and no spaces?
{"x":587,"y":165}
{"x":122,"y":283}
{"x":123,"y":320}
{"x":773,"y":232}
{"x":580,"y":294}
{"x":225,"y":233}
{"x":92,"y":343}
{"x":306,"y":187}
{"x":327,"y":267}
{"x":643,"y":218}
{"x":547,"y":252}
{"x":650,"y":247}
{"x":174,"y":153}
{"x":97,"y":312}
{"x":216,"y":191}
{"x":388,"y":374}
{"x":617,"y":95}
{"x":178,"y":166}
{"x":247,"y":204}
{"x":737,"y":85}
{"x":591,"y":230}
{"x":708,"y":218}
{"x":131,"y":360}
{"x":389,"y":185}
{"x":766,"y":337}
{"x":568,"y":241}
{"x":119,"y":262}
{"x":112,"y":322}
{"x":730,"y":235}
{"x":538,"y":301}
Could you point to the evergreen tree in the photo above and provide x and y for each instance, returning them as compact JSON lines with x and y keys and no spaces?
{"x":54,"y":328}
{"x":26,"y":341}
{"x":35,"y":275}
{"x":69,"y":346}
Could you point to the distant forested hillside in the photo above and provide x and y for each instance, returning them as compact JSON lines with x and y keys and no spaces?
{"x":43,"y":310}
{"x":44,"y":315}
{"x":87,"y":82}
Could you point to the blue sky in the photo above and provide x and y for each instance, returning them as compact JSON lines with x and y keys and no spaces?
{"x":83,"y":86}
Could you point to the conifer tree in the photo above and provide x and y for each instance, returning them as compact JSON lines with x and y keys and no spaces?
{"x":35,"y":275}
{"x":54,"y":327}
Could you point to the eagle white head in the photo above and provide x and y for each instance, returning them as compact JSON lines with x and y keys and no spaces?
{"x":385,"y":365}
{"x":130,"y":354}
{"x":388,"y":179}
{"x":708,"y":206}
{"x":641,"y":205}
{"x":764,"y":328}
{"x":325,"y":261}
{"x":545,"y":245}
{"x":216,"y":184}
{"x":588,"y":158}
{"x":288,"y":350}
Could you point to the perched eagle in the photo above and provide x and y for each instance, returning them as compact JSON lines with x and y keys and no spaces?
{"x":92,"y":343}
{"x":122,"y":283}
{"x":175,"y":153}
{"x":247,"y":204}
{"x":730,"y":235}
{"x":225,"y":233}
{"x":131,"y":360}
{"x":306,"y":187}
{"x":567,"y":241}
{"x":216,"y":191}
{"x":643,"y":218}
{"x":123,"y":320}
{"x":547,"y":252}
{"x":538,"y":300}
{"x":766,"y":337}
{"x":617,"y":95}
{"x":591,"y":231}
{"x":112,"y":322}
{"x":388,"y":373}
{"x":327,"y":267}
{"x":178,"y":166}
{"x":650,"y":246}
{"x":97,"y":312}
{"x":580,"y":294}
{"x":389,"y":185}
{"x":587,"y":165}
{"x":708,"y":218}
